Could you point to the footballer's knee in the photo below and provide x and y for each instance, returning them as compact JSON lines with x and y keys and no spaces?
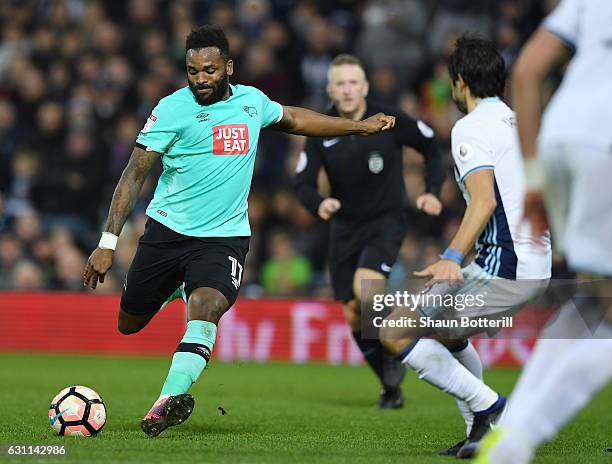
{"x":129,"y":324}
{"x":206,"y":304}
{"x":128,"y":330}
{"x":367,"y":283}
{"x":453,"y":344}
{"x":399,"y":329}
{"x":390,"y":340}
{"x":352,"y":313}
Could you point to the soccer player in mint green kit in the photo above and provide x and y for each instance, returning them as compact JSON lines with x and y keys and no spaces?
{"x":198,"y":231}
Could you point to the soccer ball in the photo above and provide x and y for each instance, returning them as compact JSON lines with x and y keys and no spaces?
{"x":77,"y":411}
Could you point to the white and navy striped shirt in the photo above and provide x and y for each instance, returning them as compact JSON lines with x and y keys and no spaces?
{"x":487,"y":138}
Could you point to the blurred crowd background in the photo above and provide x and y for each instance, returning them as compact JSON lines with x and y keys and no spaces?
{"x":78,"y":79}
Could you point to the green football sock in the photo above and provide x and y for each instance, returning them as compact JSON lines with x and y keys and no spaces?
{"x":191,"y":357}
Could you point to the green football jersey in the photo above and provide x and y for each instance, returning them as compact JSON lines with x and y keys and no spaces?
{"x":208,"y":155}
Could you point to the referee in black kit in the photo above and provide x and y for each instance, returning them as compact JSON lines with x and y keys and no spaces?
{"x":367,"y":203}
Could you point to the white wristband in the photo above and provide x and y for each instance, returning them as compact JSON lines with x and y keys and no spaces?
{"x":108,"y":241}
{"x":535,"y":178}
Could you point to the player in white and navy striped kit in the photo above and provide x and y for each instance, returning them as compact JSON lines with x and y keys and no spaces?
{"x":570,"y":179}
{"x":512,"y":264}
{"x":486,"y":139}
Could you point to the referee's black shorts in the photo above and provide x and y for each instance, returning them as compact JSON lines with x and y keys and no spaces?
{"x":165,"y":259}
{"x":357,"y":243}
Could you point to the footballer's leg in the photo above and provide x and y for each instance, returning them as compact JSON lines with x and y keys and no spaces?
{"x":345,"y":251}
{"x":570,"y":362}
{"x":375,"y":263}
{"x":569,"y":365}
{"x":212,"y":279}
{"x":174,"y":405}
{"x":435,"y":364}
{"x":389,"y":371}
{"x":466,"y":354}
{"x":520,"y":435}
{"x":129,"y":323}
{"x":154,"y":274}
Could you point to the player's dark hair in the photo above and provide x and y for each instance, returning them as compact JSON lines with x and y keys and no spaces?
{"x":480,"y":64}
{"x":208,"y":36}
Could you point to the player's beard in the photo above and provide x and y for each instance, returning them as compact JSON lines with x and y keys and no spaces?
{"x":218,"y":91}
{"x":461,"y":104}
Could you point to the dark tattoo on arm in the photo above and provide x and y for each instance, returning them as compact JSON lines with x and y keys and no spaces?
{"x":128,"y":188}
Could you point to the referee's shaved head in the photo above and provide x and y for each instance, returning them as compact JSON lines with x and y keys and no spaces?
{"x":345,"y":59}
{"x":347,"y":85}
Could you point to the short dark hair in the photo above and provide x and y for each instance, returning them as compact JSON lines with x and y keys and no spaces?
{"x":208,"y":36}
{"x":480,"y":64}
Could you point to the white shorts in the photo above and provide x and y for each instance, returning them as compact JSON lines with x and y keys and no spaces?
{"x":479,"y":296}
{"x":578,"y":198}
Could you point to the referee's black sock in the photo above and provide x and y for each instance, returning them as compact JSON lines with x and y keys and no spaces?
{"x":374,"y":353}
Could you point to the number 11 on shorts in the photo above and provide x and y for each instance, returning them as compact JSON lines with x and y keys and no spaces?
{"x":236,"y":271}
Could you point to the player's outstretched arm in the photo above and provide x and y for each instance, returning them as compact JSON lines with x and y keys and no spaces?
{"x":482,"y":205}
{"x":124,"y":198}
{"x":301,"y":121}
{"x":481,"y":188}
{"x":542,"y":53}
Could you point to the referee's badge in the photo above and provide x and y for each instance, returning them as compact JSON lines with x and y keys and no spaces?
{"x":464,"y":151}
{"x":375,"y":163}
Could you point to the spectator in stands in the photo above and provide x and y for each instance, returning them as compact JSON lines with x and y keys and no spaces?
{"x":27,"y":275}
{"x":392,"y":36}
{"x":24,"y":173}
{"x":8,"y":135}
{"x":315,"y":62}
{"x":28,"y":229}
{"x":454,"y":17}
{"x":69,"y":270}
{"x":69,"y":189}
{"x":11,"y":250}
{"x":285,"y":273}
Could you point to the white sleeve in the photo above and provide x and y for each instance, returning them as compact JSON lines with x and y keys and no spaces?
{"x":564,"y":22}
{"x":471,"y":151}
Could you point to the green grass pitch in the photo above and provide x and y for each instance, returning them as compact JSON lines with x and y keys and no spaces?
{"x":275,"y":413}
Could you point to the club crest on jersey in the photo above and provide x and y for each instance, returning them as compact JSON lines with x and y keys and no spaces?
{"x":464,"y":151}
{"x":250,"y":110}
{"x":510,"y":121}
{"x":231,"y":139}
{"x":149,"y":124}
{"x":375,"y":163}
